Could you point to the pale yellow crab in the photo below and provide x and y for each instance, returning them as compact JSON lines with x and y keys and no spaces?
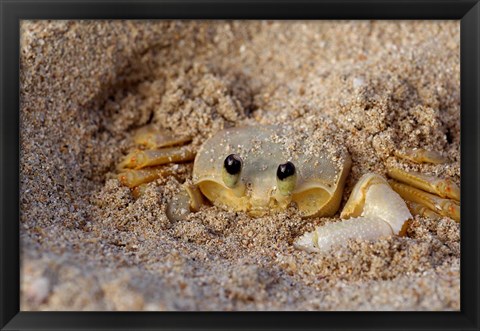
{"x":263,"y":169}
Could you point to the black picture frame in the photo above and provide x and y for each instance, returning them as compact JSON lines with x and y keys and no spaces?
{"x":11,"y":12}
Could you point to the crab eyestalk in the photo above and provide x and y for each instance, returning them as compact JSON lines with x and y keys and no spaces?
{"x":286,"y":178}
{"x":232,"y":168}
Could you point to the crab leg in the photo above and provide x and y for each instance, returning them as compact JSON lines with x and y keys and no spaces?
{"x":152,"y":157}
{"x":418,"y":209}
{"x":377,"y":212}
{"x":444,"y":207}
{"x":139,"y":190}
{"x":420,"y":155}
{"x":151,"y":138}
{"x":442,"y":187}
{"x":133,"y":178}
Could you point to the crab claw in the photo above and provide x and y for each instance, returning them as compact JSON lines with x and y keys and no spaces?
{"x":376,"y":211}
{"x":188,"y":200}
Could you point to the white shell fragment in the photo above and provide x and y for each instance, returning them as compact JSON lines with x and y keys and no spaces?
{"x":384,"y":214}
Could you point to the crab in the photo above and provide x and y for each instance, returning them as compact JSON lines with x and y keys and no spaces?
{"x":264,"y":169}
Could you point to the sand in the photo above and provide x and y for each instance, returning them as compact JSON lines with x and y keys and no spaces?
{"x":88,"y":244}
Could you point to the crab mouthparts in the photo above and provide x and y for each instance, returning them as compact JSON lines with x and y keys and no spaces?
{"x":260,"y":207}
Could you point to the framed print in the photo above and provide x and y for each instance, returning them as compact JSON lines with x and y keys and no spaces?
{"x":268,"y":165}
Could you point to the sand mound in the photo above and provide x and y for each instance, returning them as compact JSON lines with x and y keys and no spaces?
{"x":87,"y":244}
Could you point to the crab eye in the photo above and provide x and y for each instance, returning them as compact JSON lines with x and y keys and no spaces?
{"x":232,"y":167}
{"x":286,"y":178}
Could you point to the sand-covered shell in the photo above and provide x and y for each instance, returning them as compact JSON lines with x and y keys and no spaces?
{"x":320,"y":173}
